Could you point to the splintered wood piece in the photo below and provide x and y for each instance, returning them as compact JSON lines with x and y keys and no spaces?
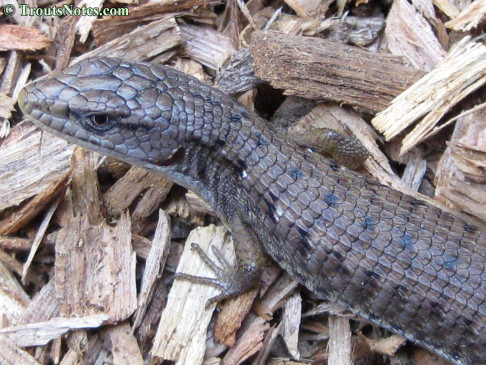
{"x":39,"y":236}
{"x":235,"y":310}
{"x":84,"y":23}
{"x":65,"y":36}
{"x":460,"y":74}
{"x":125,"y":349}
{"x":461,"y":173}
{"x":275,"y":297}
{"x":267,"y":345}
{"x":34,"y":165}
{"x":95,"y":263}
{"x":22,"y":38}
{"x":123,"y":193}
{"x":231,"y":316}
{"x":150,"y":320}
{"x":291,"y":318}
{"x":12,"y":354}
{"x":15,"y":243}
{"x":385,"y":346}
{"x":6,"y":105}
{"x":340,"y":351}
{"x":410,"y":35}
{"x":317,"y":69}
{"x":13,"y":298}
{"x":182,"y":331}
{"x":108,"y":28}
{"x":141,"y":44}
{"x":305,"y":8}
{"x":249,"y":343}
{"x":426,"y":8}
{"x":40,"y":333}
{"x":448,"y":7}
{"x":95,"y":269}
{"x":206,"y":46}
{"x":469,"y":18}
{"x":197,"y":203}
{"x":11,"y":262}
{"x":31,"y":162}
{"x":154,"y":264}
{"x":42,"y":307}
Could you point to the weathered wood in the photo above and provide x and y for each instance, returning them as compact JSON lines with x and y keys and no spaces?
{"x":412,"y":37}
{"x":22,"y":38}
{"x":181,"y":335}
{"x":317,"y":69}
{"x":460,"y":74}
{"x":460,"y":174}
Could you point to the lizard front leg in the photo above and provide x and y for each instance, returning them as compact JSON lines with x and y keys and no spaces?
{"x":250,"y":261}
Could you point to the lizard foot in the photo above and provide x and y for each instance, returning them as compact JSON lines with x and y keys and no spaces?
{"x":232,"y":281}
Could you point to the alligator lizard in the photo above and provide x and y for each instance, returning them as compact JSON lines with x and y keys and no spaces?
{"x":390,"y":258}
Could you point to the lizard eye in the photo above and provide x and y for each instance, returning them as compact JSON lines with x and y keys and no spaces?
{"x":98,"y":122}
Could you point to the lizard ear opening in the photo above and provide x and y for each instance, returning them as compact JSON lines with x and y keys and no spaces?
{"x":177,"y":156}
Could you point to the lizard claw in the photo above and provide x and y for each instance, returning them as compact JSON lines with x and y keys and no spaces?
{"x":229,"y":279}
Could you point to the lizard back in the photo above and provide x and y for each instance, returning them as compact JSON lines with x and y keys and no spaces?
{"x":392,"y":259}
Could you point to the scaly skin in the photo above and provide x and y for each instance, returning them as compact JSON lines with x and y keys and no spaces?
{"x":395,"y":260}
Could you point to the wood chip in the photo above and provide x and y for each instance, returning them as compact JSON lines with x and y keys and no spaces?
{"x":435,"y":94}
{"x":43,"y":307}
{"x":460,"y":175}
{"x":232,"y":315}
{"x":470,"y":17}
{"x":12,"y":354}
{"x":98,"y":258}
{"x":6,"y":106}
{"x":198,"y":204}
{"x":95,"y":263}
{"x":13,"y":298}
{"x":107,"y":28}
{"x":37,"y":334}
{"x":15,"y":243}
{"x":274,"y":297}
{"x":249,"y":343}
{"x":386,"y":346}
{"x":268,"y":342}
{"x":84,"y":23}
{"x":126,"y":191}
{"x":181,"y":335}
{"x":154,"y":264}
{"x":340,"y":351}
{"x":22,"y":38}
{"x":291,"y":324}
{"x":317,"y":69}
{"x":35,"y":160}
{"x":125,"y":348}
{"x":410,"y":35}
{"x":206,"y":46}
{"x":142,"y":43}
{"x":34,"y":164}
{"x":448,"y":7}
{"x":39,"y":236}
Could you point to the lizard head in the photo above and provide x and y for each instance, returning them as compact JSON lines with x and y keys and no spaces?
{"x":113,"y":107}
